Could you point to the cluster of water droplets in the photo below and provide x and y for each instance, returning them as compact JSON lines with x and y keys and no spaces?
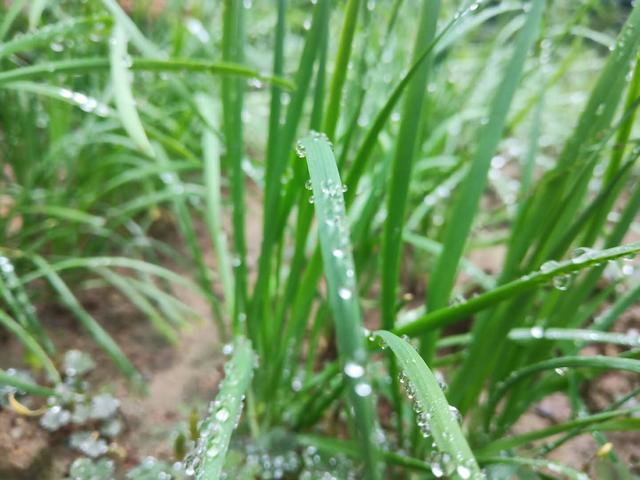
{"x":85,"y":102}
{"x":222,"y":418}
{"x":16,"y":291}
{"x":616,"y":268}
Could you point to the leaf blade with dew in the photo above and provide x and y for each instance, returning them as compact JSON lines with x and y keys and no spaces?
{"x":452,"y":314}
{"x":26,"y":386}
{"x":109,"y":262}
{"x":15,"y":296}
{"x":143,"y":44}
{"x":31,"y":345}
{"x":224,"y":413}
{"x":100,"y":335}
{"x":128,"y":289}
{"x":125,"y":103}
{"x":342,"y":292}
{"x":596,"y":362}
{"x":584,"y":336}
{"x":44,"y":36}
{"x":233,"y":39}
{"x":514,"y":441}
{"x":84,"y":102}
{"x":211,"y":158}
{"x":91,"y":64}
{"x":537,"y":464}
{"x":440,"y":420}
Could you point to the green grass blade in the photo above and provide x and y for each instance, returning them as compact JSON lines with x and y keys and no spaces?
{"x":99,"y":334}
{"x":211,"y":154}
{"x":25,"y":386}
{"x":91,"y":65}
{"x":10,"y":16}
{"x":125,"y":102}
{"x":143,"y":44}
{"x":433,"y":405}
{"x":549,"y":272}
{"x":466,"y":204}
{"x":332,"y":113}
{"x":342,"y":287}
{"x":31,"y":345}
{"x":232,"y":104}
{"x":596,"y":362}
{"x":128,"y":290}
{"x":277,"y":164}
{"x":35,"y":12}
{"x":515,"y":441}
{"x":43,"y":37}
{"x":109,"y":262}
{"x":16,"y":297}
{"x":224,"y":414}
{"x":537,"y":464}
{"x":583,"y":336}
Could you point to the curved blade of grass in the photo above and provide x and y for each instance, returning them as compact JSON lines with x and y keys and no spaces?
{"x":466,"y":203}
{"x":341,"y":287}
{"x":35,"y":12}
{"x":449,"y":315}
{"x":596,"y":361}
{"x":43,"y":36}
{"x":573,"y":335}
{"x":78,"y":99}
{"x":141,"y":42}
{"x":27,"y":387}
{"x":31,"y":345}
{"x":129,"y":290}
{"x":90,"y":65}
{"x":109,"y":262}
{"x":125,"y":103}
{"x":15,"y":296}
{"x":224,"y":412}
{"x":9,"y":17}
{"x":515,"y":441}
{"x":350,"y":449}
{"x":443,"y":424}
{"x":100,"y":335}
{"x":537,"y":464}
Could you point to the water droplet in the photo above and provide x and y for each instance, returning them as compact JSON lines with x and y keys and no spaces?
{"x":345,"y":293}
{"x":581,"y":255}
{"x":301,"y":152}
{"x":353,"y":370}
{"x":464,"y":472}
{"x":222,"y":415}
{"x":562,"y":282}
{"x":363,"y":389}
{"x":537,"y":332}
{"x":547,"y":267}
